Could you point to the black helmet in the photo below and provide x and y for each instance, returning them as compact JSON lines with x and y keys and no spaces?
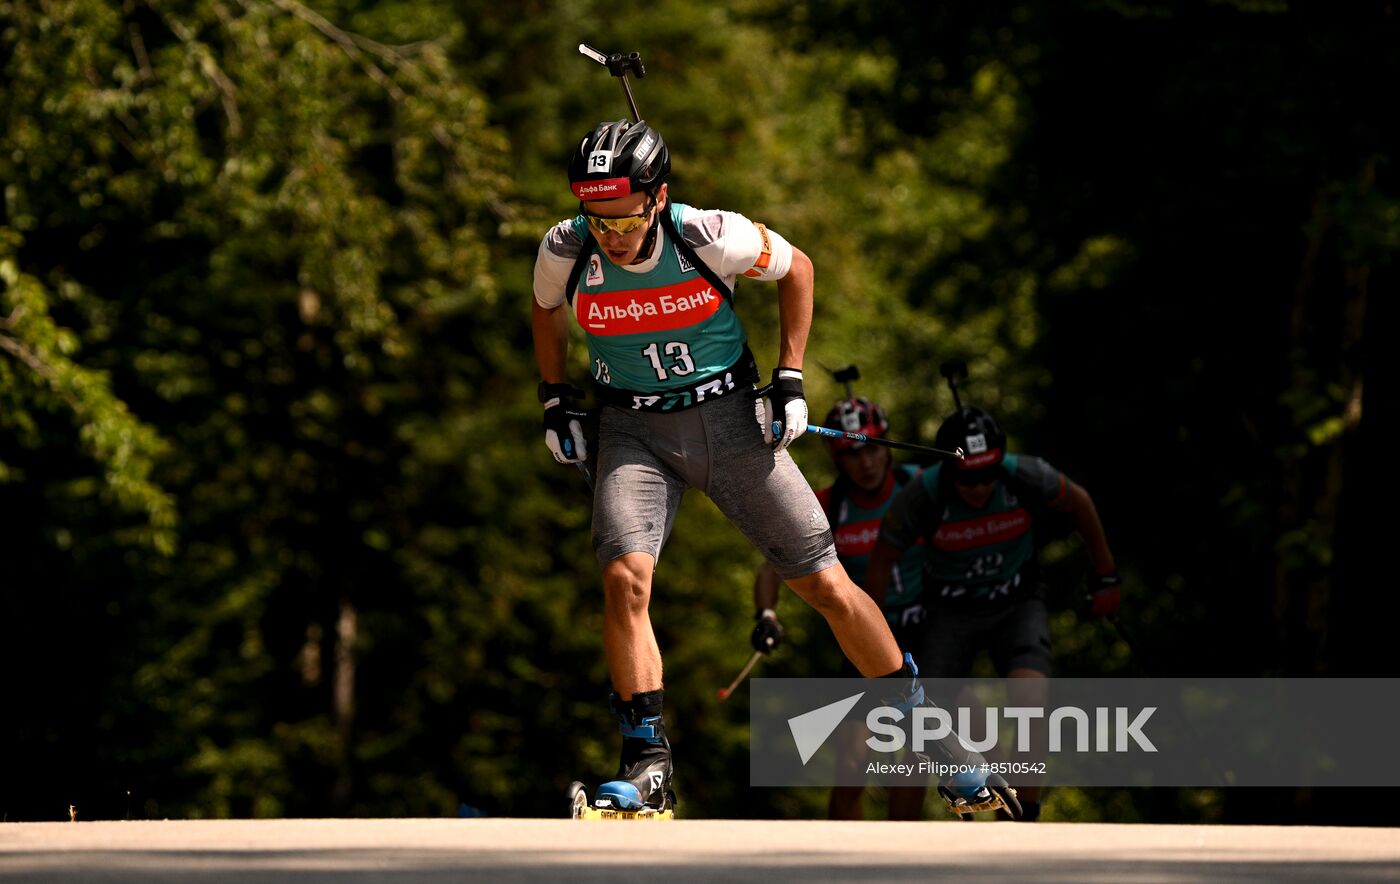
{"x":855,"y":415}
{"x":617,"y":159}
{"x":979,"y":436}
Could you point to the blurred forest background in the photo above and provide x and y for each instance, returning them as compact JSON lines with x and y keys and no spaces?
{"x":279,"y":535}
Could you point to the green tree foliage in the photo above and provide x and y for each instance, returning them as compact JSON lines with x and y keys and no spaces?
{"x":279,"y":531}
{"x":275,"y":234}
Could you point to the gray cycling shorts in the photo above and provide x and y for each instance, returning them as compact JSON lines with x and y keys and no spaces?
{"x":647,"y":461}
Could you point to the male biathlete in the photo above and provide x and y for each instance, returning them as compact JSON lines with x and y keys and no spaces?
{"x":649,"y":282}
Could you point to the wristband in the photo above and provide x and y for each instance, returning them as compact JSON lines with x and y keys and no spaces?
{"x":548,"y":391}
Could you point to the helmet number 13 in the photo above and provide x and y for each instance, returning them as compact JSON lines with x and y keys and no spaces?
{"x":679,"y":354}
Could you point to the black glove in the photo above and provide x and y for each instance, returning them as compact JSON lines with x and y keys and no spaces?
{"x":563,"y":423}
{"x":785,"y":411}
{"x":768,"y":633}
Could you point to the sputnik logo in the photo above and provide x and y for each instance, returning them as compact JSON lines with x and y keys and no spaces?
{"x":811,"y":729}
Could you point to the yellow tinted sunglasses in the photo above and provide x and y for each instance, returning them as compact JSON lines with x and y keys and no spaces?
{"x":623,"y":225}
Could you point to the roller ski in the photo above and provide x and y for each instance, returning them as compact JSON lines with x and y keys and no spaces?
{"x":972,"y":790}
{"x":581,"y":809}
{"x":641,"y":790}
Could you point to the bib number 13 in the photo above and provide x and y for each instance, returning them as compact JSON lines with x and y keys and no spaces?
{"x":678,"y":352}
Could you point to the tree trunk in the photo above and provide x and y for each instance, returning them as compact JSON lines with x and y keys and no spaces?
{"x":343,"y":700}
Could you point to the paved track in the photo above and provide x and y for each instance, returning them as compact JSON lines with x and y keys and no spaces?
{"x":683,"y":851}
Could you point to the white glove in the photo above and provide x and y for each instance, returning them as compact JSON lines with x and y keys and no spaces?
{"x":784,"y":409}
{"x":563,"y":426}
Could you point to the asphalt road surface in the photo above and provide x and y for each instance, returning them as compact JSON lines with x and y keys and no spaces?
{"x":683,"y":851}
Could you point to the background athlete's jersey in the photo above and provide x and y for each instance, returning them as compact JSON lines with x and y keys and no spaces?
{"x":975,"y":554}
{"x":856,"y":526}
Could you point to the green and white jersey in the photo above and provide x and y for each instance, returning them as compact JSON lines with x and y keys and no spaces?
{"x":980,"y":556}
{"x":659,"y":325}
{"x":855,"y":526}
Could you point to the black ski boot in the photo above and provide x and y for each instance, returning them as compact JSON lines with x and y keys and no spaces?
{"x":643,"y":778}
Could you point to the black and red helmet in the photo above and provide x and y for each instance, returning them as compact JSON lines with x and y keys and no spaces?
{"x":617,"y":159}
{"x":979,"y":436}
{"x":855,"y":415}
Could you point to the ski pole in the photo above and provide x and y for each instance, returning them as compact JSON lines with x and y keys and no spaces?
{"x":888,"y":443}
{"x":951,"y":371}
{"x":1123,"y":635}
{"x":1132,"y":649}
{"x":725,"y":692}
{"x":1227,"y":776}
{"x":618,"y":65}
{"x":587,"y":475}
{"x":861,"y":437}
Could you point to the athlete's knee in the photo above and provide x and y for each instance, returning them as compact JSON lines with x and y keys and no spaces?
{"x":830,"y":591}
{"x":627,"y":585}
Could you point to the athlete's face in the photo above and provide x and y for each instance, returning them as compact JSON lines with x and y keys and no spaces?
{"x":623,"y":248}
{"x":865,"y":466}
{"x":976,"y":495}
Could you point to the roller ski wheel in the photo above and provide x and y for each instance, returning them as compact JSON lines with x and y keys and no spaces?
{"x":965,"y":796}
{"x":601,"y":808}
